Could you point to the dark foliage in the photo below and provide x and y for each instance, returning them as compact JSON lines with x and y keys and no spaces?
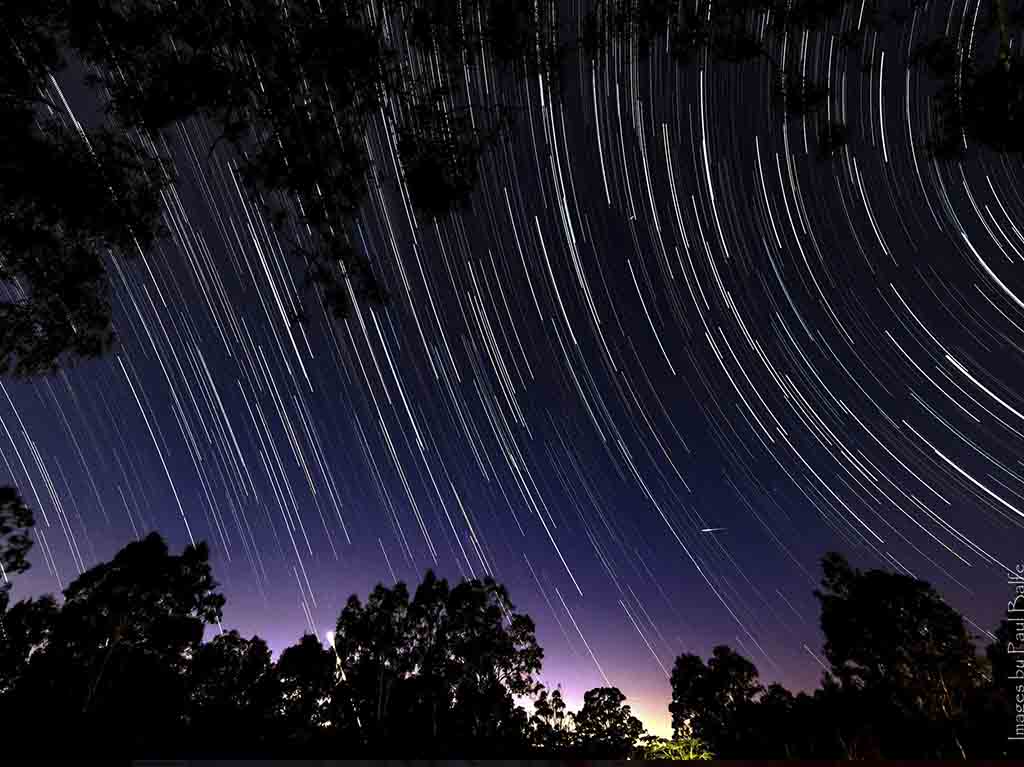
{"x":233,"y":694}
{"x":306,"y":676}
{"x":441,"y":670}
{"x":68,"y":197}
{"x":980,"y":94}
{"x":724,"y":32}
{"x":111,"y":663}
{"x":605,"y":726}
{"x":291,"y":103}
{"x":710,"y":701}
{"x":905,"y":682}
{"x":898,"y":648}
{"x":550,"y":724}
{"x":16,"y":523}
{"x":294,"y":106}
{"x":121,"y":666}
{"x":26,"y":626}
{"x":980,"y":97}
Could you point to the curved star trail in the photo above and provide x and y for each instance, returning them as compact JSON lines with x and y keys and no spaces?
{"x":663,"y":362}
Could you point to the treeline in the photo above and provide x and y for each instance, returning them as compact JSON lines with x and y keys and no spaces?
{"x":119,"y":666}
{"x":904,"y":681}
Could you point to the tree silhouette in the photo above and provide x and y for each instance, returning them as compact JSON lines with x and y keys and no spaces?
{"x":122,"y":667}
{"x":26,"y":625}
{"x":306,"y":675}
{"x":68,"y":196}
{"x":905,"y":681}
{"x":721,"y":31}
{"x":981,"y":93}
{"x":488,"y":655}
{"x":550,"y":723}
{"x":24,"y":629}
{"x":373,"y":649}
{"x":123,"y":636}
{"x":828,"y":724}
{"x":992,"y":705}
{"x":16,"y":523}
{"x":272,"y":81}
{"x":709,"y":701}
{"x":605,"y":727}
{"x":894,"y":643}
{"x":768,"y":725}
{"x":444,"y":668}
{"x":981,"y":85}
{"x":233,"y":695}
{"x":443,"y":136}
{"x":294,"y":108}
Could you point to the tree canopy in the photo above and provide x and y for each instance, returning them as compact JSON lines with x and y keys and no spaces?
{"x":233,"y":693}
{"x":293,"y":108}
{"x":894,"y":642}
{"x":550,"y":723}
{"x":121,"y":663}
{"x":16,"y":522}
{"x":272,"y":82}
{"x":905,"y":680}
{"x":708,"y":701}
{"x":457,"y":655}
{"x":605,"y":725}
{"x":126,"y":631}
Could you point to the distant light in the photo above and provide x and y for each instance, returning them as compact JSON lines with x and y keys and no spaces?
{"x":330,"y":638}
{"x":712,"y":529}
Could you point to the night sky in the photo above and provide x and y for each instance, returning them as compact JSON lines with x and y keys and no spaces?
{"x":664,"y":361}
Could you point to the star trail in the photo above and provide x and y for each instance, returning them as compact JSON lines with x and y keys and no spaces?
{"x":664,"y":360}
